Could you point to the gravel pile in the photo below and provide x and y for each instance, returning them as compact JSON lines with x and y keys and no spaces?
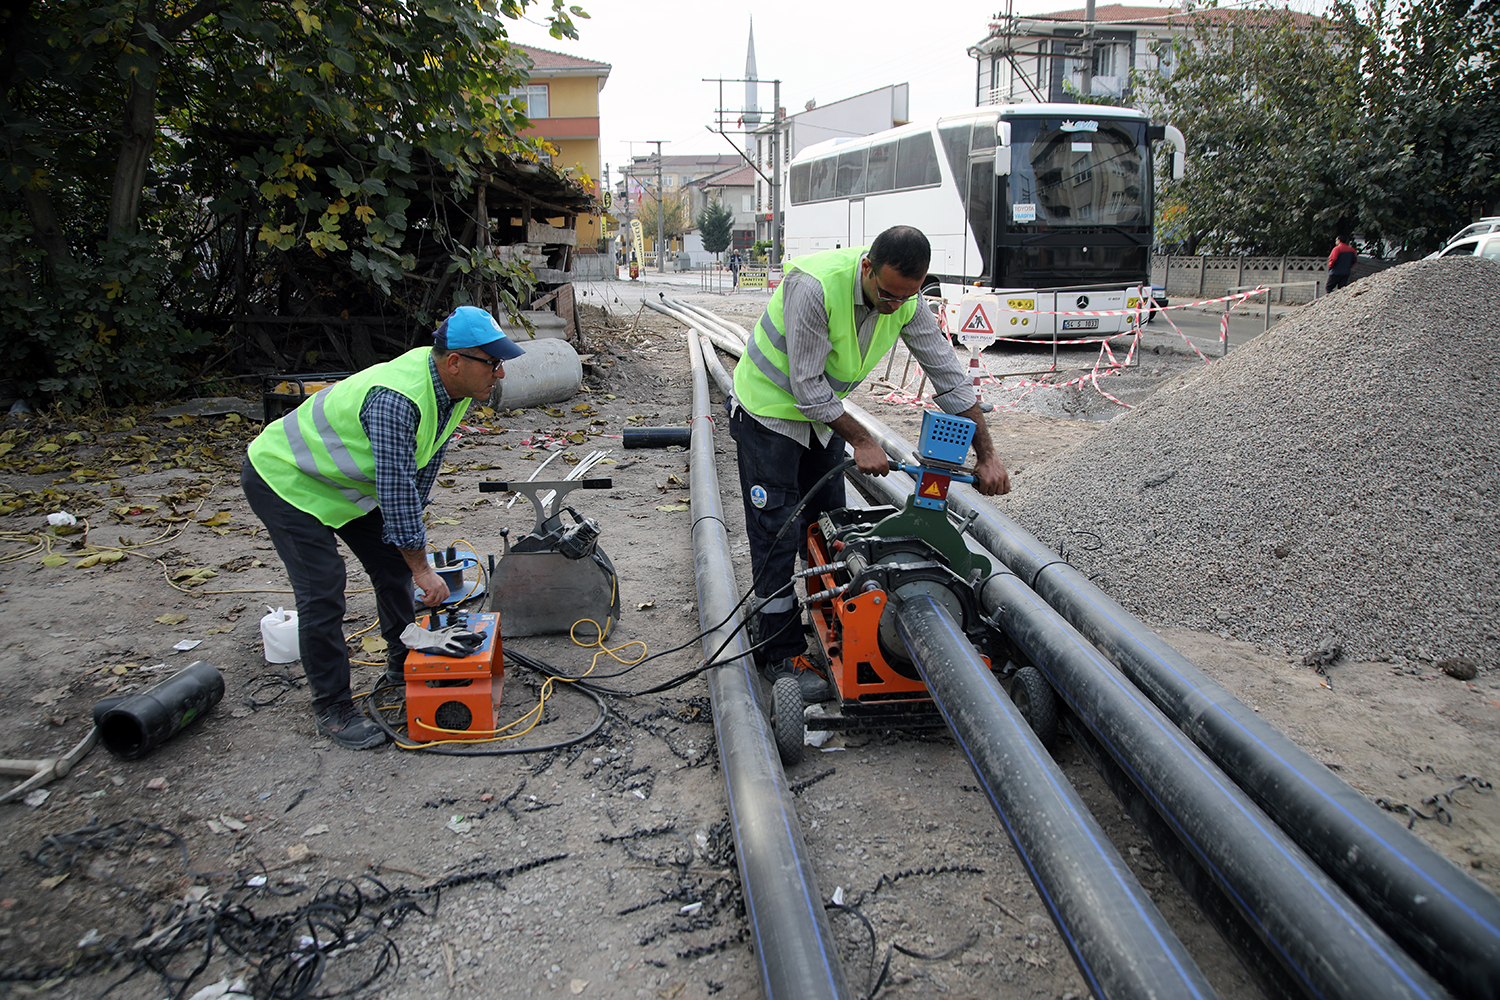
{"x":1334,"y":482}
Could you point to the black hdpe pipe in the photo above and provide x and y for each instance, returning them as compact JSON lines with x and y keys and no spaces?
{"x":1227,"y":841}
{"x":794,"y":944}
{"x":1231,"y":924}
{"x":1123,"y":946}
{"x":1442,"y":917}
{"x":1382,"y":955}
{"x":657,"y":437}
{"x":1327,"y":944}
{"x":137,"y":724}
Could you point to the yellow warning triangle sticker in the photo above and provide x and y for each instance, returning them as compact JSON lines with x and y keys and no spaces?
{"x":931,"y":490}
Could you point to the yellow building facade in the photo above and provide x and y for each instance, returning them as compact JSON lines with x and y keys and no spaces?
{"x":562,"y":101}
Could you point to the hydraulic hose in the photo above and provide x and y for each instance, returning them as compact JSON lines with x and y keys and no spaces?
{"x":1120,"y":941}
{"x":1445,"y":919}
{"x":794,"y":943}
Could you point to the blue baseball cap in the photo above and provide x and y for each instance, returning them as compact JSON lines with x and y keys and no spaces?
{"x":470,"y":326}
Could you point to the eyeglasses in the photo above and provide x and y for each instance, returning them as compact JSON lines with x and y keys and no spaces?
{"x":494,"y":366}
{"x":886,"y":296}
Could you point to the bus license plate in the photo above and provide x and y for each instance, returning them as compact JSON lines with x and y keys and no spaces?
{"x":1080,"y":324}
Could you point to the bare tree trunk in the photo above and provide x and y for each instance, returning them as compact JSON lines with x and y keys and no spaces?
{"x":135,"y":150}
{"x":49,"y":232}
{"x":140,"y":112}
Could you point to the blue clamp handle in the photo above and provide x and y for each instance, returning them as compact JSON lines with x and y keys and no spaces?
{"x":917,"y":470}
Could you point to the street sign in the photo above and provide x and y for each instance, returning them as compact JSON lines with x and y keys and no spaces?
{"x":977,"y":320}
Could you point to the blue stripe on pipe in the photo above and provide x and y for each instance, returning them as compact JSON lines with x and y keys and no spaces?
{"x":1048,"y":767}
{"x":1178,"y":739}
{"x":766,"y":742}
{"x":1436,"y":886}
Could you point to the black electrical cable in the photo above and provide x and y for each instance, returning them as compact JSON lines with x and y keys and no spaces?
{"x":712,"y":661}
{"x":454,"y":751}
{"x":543,"y":667}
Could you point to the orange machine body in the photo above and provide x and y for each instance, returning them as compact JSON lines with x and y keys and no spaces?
{"x":452,"y":697}
{"x":847,"y":630}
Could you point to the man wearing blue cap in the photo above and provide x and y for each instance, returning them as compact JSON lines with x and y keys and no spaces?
{"x":356,"y":461}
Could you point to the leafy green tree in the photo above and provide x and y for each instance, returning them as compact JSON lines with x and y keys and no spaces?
{"x":673,"y":210}
{"x":716,"y":226}
{"x":166,"y":164}
{"x":1383,"y":119}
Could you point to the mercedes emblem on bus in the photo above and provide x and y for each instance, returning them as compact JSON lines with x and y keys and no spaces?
{"x":1083,"y":301}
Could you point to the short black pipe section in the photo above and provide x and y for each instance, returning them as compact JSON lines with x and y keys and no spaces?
{"x":1229,"y":922}
{"x":657,"y":437}
{"x":1325,"y":942}
{"x":794,"y":943}
{"x":142,"y":722}
{"x":1122,"y":945}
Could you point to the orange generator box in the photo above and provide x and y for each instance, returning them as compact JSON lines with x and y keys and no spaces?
{"x":452,"y":697}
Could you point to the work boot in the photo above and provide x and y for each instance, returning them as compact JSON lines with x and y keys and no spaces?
{"x":349,"y":727}
{"x":814,"y":686}
{"x":395,"y":666}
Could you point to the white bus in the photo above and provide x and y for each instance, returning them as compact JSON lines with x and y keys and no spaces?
{"x":1044,"y":207}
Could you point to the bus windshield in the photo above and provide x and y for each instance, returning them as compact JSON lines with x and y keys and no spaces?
{"x":1077,"y":172}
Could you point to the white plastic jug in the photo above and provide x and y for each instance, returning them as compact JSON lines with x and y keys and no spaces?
{"x":278,"y":630}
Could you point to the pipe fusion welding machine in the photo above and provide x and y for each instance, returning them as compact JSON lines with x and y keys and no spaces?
{"x":859,"y":561}
{"x":545,"y":583}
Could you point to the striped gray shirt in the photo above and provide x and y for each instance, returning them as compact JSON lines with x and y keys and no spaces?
{"x":808,"y":345}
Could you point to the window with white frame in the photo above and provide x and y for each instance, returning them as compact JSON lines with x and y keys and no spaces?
{"x":533,"y":100}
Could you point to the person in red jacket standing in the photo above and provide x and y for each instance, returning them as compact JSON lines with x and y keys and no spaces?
{"x":1341,"y":263}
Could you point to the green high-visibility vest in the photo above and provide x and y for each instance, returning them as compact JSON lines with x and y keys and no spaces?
{"x":318,"y":459}
{"x":762,"y":378}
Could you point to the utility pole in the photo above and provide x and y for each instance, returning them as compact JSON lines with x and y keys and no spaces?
{"x":661,"y":215}
{"x":773,"y":179}
{"x":776,"y":174}
{"x":1088,"y":49}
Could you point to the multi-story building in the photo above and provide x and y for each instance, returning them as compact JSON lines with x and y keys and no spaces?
{"x":562,"y":101}
{"x":734,"y":187}
{"x":1040,"y":57}
{"x":863,"y":114}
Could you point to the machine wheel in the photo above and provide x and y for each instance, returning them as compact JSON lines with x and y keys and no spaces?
{"x":786,"y":719}
{"x":1033,"y":696}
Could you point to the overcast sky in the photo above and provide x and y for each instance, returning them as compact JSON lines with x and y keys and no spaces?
{"x":660,"y":52}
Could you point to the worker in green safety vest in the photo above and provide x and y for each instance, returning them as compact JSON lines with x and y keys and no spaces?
{"x":830,"y":321}
{"x":356,"y":462}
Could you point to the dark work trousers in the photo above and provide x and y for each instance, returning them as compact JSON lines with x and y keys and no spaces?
{"x":1337,"y":281}
{"x":775,"y":473}
{"x":309,"y":550}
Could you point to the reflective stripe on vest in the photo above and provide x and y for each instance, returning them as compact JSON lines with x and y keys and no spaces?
{"x":318,"y":459}
{"x":762,"y":379}
{"x":337,"y":450}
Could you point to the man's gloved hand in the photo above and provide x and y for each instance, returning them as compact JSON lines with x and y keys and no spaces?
{"x":450,"y":641}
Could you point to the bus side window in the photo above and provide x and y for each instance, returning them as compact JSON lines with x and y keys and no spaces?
{"x":984,"y":136}
{"x":851,"y":174}
{"x":800,"y":183}
{"x":916,"y":162}
{"x":821,"y":185}
{"x":955,"y":139}
{"x":880,"y":174}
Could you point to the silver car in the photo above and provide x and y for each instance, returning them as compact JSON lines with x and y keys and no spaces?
{"x":1486,"y":245}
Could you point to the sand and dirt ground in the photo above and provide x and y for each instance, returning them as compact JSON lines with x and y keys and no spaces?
{"x":602,"y":869}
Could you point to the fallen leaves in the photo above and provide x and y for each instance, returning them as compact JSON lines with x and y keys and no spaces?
{"x":171,"y":618}
{"x":193,"y":576}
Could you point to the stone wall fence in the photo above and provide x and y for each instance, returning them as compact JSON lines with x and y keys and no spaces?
{"x":1204,"y":276}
